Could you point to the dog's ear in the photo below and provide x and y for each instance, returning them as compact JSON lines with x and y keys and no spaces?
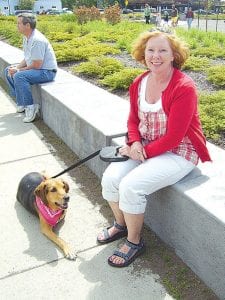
{"x":66,"y":186}
{"x":41,"y":191}
{"x":45,"y":175}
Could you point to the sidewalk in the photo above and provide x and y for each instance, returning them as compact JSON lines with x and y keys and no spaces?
{"x":33,"y":268}
{"x":212,"y":25}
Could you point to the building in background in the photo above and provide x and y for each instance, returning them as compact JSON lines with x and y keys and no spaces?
{"x":8,"y":7}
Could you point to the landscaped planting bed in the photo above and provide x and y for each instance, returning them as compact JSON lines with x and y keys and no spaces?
{"x":99,"y":51}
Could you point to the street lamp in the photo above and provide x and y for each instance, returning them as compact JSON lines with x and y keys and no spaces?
{"x":198,"y":12}
{"x":206,"y":21}
{"x":9,"y":7}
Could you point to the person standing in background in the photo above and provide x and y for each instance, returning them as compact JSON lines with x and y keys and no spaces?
{"x":158,"y":19}
{"x":38,"y":66}
{"x":147,"y":13}
{"x":174,"y":16}
{"x":189,"y":17}
{"x":166,"y":16}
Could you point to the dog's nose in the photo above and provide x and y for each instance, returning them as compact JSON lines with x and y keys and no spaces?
{"x":66,"y":198}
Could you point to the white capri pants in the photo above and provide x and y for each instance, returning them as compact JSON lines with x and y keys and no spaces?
{"x":128,"y":182}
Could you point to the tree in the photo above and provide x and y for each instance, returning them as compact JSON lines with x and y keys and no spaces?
{"x":26,"y":4}
{"x":69,"y":4}
{"x":76,"y":3}
{"x":209,"y":4}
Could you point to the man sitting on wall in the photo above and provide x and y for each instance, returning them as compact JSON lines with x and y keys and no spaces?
{"x":38,"y":66}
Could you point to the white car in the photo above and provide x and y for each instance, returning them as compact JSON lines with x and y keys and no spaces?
{"x":66,"y":11}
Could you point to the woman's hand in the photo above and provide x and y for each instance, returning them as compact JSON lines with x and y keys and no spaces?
{"x":125,"y":150}
{"x":135,"y":151}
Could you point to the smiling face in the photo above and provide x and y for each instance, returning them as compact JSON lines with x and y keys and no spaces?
{"x":158,"y":54}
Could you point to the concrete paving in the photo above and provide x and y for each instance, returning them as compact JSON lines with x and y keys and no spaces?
{"x":32,"y":267}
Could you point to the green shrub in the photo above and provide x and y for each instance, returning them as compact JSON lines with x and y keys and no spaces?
{"x":121,"y":79}
{"x":70,"y":18}
{"x":210,"y":44}
{"x":216,"y":75}
{"x":60,"y":36}
{"x":213,"y":114}
{"x":9,"y":31}
{"x":72,"y":28}
{"x":65,"y":52}
{"x":197,"y":63}
{"x":47,"y":26}
{"x":99,"y":66}
{"x":211,"y":52}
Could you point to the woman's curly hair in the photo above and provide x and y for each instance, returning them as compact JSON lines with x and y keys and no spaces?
{"x":179,"y":48}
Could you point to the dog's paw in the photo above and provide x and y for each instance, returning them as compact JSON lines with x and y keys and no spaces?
{"x":71,"y":255}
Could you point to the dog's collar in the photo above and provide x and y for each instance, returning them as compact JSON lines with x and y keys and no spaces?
{"x":51,"y":216}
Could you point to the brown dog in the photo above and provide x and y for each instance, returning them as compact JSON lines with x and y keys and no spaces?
{"x":48,"y":199}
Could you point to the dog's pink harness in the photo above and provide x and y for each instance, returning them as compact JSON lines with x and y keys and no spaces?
{"x":51,"y":216}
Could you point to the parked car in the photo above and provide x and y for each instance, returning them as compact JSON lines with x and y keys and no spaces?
{"x":127,"y":11}
{"x":66,"y":11}
{"x":54,"y":12}
{"x":21,"y":11}
{"x":138,"y":9}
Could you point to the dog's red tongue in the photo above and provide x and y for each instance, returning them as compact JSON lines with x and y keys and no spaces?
{"x":51,"y":216}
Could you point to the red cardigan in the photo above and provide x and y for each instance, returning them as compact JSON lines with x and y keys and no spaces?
{"x":179,"y":101}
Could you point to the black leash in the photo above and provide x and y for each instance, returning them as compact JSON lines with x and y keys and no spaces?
{"x":77,"y":164}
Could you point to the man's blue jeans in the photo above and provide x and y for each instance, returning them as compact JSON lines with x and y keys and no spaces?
{"x":189,"y":21}
{"x":20,"y":84}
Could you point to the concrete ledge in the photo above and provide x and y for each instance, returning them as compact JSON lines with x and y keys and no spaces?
{"x":189,"y":216}
{"x":84,"y":116}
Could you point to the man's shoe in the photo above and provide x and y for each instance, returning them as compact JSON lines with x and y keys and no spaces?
{"x":30,"y":113}
{"x":20,"y":108}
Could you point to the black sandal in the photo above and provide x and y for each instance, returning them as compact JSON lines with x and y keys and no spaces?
{"x":118,"y":235}
{"x":134,"y":251}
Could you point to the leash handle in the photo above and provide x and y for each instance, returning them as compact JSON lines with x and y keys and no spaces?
{"x":77,"y":164}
